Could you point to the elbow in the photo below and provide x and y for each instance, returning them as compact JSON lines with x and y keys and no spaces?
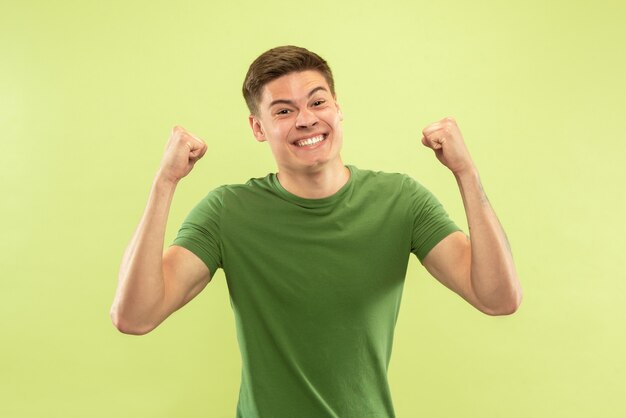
{"x":507,"y":307}
{"x":125,"y":326}
{"x":502,"y":311}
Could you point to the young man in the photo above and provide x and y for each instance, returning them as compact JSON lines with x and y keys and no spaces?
{"x":315,"y":255}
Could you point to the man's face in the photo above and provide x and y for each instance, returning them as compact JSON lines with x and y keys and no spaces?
{"x":301,"y":120}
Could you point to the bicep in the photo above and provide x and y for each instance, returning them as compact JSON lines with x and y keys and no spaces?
{"x":184,"y":274}
{"x":450,"y":262}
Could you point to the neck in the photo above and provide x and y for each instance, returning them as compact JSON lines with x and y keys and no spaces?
{"x":315,"y":184}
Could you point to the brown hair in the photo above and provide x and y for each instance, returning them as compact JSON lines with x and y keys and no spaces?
{"x":276,"y":63}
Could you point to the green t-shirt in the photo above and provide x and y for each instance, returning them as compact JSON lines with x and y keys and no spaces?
{"x":315,"y":286}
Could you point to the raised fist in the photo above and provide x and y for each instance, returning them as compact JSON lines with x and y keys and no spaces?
{"x":444,"y":137}
{"x":181,"y":153}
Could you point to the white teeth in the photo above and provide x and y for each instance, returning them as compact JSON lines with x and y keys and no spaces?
{"x":309,"y":141}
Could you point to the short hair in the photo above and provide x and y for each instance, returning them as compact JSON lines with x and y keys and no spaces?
{"x":276,"y":63}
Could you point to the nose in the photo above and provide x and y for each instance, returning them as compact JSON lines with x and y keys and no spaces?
{"x":306,"y":119}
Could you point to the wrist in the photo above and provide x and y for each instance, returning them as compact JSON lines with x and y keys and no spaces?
{"x":164,"y":180}
{"x":466,"y":172}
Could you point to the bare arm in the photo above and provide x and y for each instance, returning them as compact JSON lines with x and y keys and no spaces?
{"x":480,"y":269}
{"x":151,"y":284}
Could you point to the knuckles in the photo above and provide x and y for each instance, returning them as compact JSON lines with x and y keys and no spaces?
{"x":447,"y":126}
{"x":180,"y":135}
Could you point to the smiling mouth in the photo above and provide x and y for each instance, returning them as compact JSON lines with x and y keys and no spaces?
{"x":310,"y":141}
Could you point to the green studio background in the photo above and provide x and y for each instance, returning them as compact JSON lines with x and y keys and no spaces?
{"x":90,"y":90}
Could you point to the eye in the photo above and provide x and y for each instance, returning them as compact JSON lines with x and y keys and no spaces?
{"x":283,"y":112}
{"x":319,"y":102}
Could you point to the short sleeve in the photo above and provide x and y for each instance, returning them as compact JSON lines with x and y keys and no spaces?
{"x":431,"y":222}
{"x":200,"y":231}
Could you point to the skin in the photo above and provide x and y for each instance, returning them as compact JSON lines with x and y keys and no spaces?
{"x":296,"y":106}
{"x":153,"y":284}
{"x":480,"y":267}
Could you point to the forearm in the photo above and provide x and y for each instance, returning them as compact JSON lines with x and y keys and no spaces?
{"x":493,"y":277}
{"x":140,"y":292}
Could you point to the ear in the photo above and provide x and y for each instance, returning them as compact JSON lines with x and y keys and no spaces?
{"x":257,"y":129}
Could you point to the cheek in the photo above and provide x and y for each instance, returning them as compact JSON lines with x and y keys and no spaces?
{"x":281,"y":128}
{"x":337,"y":123}
{"x":333,"y":118}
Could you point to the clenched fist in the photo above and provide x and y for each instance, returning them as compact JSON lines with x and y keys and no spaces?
{"x":444,"y":137}
{"x":181,"y":153}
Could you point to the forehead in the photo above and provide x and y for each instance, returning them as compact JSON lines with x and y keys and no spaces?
{"x":293,"y":86}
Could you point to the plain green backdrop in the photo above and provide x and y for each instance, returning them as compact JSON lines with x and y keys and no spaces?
{"x":90,"y":90}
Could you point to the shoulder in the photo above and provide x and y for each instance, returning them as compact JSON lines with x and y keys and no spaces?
{"x":236,"y":189}
{"x":394,"y":180}
{"x":236,"y":196}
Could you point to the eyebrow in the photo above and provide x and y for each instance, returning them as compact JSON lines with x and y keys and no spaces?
{"x":291,"y":102}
